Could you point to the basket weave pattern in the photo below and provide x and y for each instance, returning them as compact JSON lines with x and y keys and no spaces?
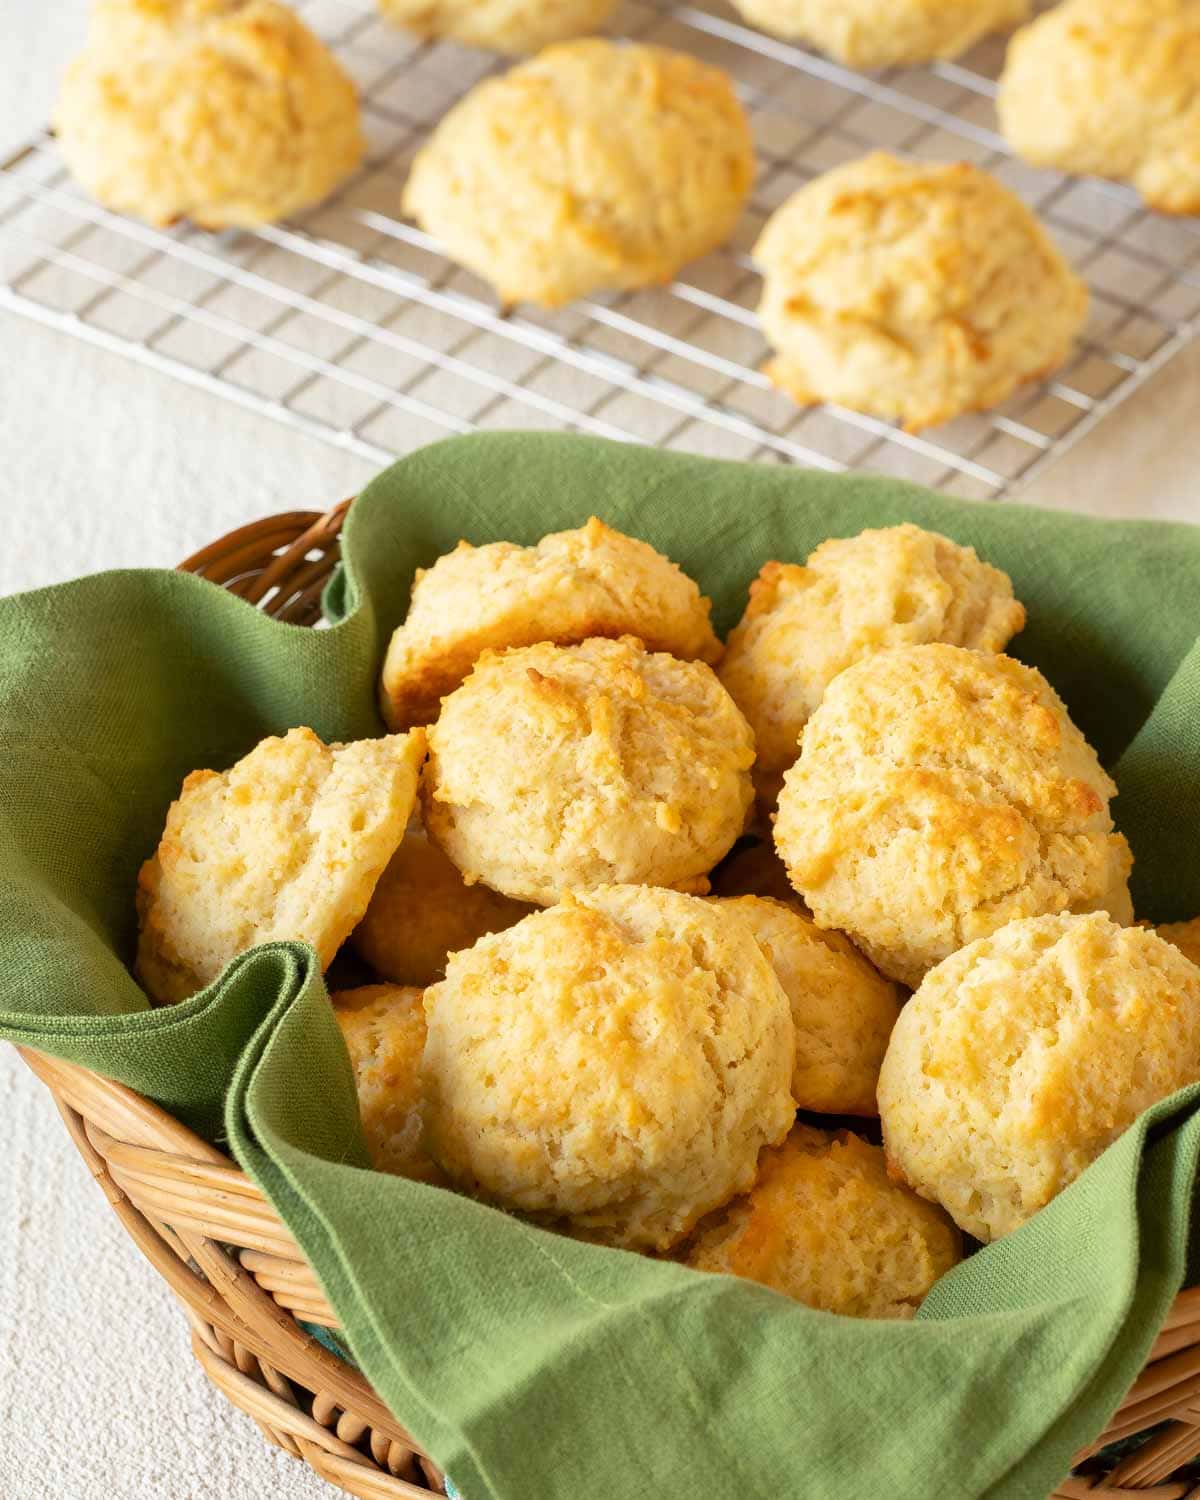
{"x":246,"y":1288}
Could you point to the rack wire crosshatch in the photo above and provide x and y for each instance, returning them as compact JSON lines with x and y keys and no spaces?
{"x":346,"y":322}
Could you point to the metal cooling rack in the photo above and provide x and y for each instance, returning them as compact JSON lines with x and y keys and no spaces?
{"x":347,"y":323}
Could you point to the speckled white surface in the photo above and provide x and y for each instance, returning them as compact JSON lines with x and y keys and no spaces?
{"x":103,"y":464}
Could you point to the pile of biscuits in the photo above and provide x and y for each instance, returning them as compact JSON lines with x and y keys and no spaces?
{"x":648,"y":919}
{"x":913,"y":291}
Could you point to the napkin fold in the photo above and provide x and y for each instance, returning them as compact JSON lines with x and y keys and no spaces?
{"x":530,"y":1364}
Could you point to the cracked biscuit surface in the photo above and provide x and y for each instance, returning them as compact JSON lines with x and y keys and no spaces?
{"x":1110,"y":90}
{"x":1022,"y":1057}
{"x":222,"y":112}
{"x":285,"y":845}
{"x":939,"y":794}
{"x":383,"y":1026}
{"x":616,"y":1062}
{"x":825,"y":1226}
{"x":561,"y":768}
{"x":913,"y":291}
{"x":594,"y":165}
{"x":573,"y":584}
{"x":899,"y":586}
{"x":843,"y":1009}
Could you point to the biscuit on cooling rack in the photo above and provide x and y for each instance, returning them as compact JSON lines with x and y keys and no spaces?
{"x":885,"y":33}
{"x":616,"y":1062}
{"x":825,"y":1226}
{"x":571,"y":585}
{"x":1027,"y":1053}
{"x":900,"y":586}
{"x":501,"y":25}
{"x":1110,"y":90}
{"x":595,"y":165}
{"x":939,"y":794}
{"x":287,"y":844}
{"x":222,"y":114}
{"x":912,"y":291}
{"x":561,"y":768}
{"x":384,"y":1030}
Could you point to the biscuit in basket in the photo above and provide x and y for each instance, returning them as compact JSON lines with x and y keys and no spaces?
{"x":1111,"y":91}
{"x":384,"y":1029}
{"x":885,"y":33}
{"x":616,"y":1062}
{"x":422,"y":911}
{"x":900,"y":586}
{"x":1184,"y":935}
{"x":939,"y":794}
{"x":573,"y":584}
{"x":223,"y":114}
{"x":286,"y":844}
{"x":501,"y":25}
{"x":561,"y":768}
{"x":912,"y":291}
{"x":843,"y":1009}
{"x":595,"y":165}
{"x":1024,"y":1055}
{"x":825,"y":1226}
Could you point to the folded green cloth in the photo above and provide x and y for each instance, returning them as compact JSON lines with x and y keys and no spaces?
{"x":530,"y":1365}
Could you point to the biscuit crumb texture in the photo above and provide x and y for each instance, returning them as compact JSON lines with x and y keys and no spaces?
{"x":900,"y":586}
{"x":384,"y":1029}
{"x":422,"y":911}
{"x":1110,"y":91}
{"x":941,"y":793}
{"x":1021,"y":1058}
{"x":615,"y":1063}
{"x":573,"y":584}
{"x":594,"y":165}
{"x":843,"y":1009}
{"x":912,"y":291}
{"x":826,"y":1226}
{"x":222,"y":112}
{"x":286,"y":845}
{"x":1184,"y":935}
{"x":562,"y":768}
{"x":885,"y":33}
{"x":511,"y":26}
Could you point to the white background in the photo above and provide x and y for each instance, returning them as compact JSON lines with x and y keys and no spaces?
{"x":105,"y":464}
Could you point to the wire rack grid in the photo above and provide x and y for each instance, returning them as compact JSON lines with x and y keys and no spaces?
{"x":348,"y":323}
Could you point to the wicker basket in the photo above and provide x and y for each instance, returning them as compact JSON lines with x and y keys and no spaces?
{"x":246,"y":1288}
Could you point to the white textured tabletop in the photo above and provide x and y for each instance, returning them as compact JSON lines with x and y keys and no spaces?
{"x":105,"y":463}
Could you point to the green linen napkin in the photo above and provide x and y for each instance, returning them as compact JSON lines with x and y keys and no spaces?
{"x":530,"y":1365}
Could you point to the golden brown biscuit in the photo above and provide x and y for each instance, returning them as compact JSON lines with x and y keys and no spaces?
{"x":384,"y":1030}
{"x":597,"y":164}
{"x":901,"y":586}
{"x":939,"y":794}
{"x":885,"y":33}
{"x":825,"y":1225}
{"x":286,"y":844}
{"x":912,"y":291}
{"x":1110,"y":90}
{"x":1024,"y":1055}
{"x":423,"y":910}
{"x":562,"y":768}
{"x":572,"y":585}
{"x":1184,"y":935}
{"x":617,"y":1061}
{"x":501,"y":25}
{"x":224,"y":112}
{"x":843,"y":1009}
